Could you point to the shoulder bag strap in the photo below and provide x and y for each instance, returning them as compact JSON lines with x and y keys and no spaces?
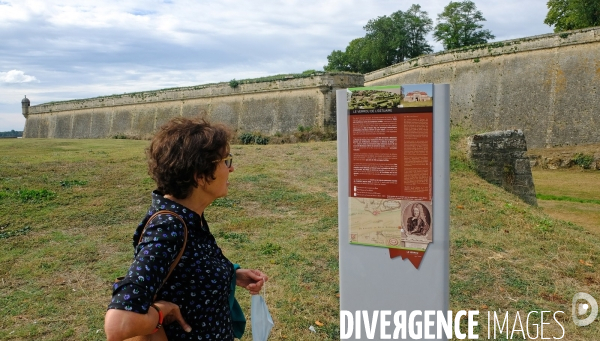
{"x":185,"y":233}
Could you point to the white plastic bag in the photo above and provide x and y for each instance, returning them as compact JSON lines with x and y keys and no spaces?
{"x":261,"y":318}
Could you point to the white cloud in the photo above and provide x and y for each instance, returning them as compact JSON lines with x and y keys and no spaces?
{"x":16,"y":76}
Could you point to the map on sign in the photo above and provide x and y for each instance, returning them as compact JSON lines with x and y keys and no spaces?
{"x":376,"y":222}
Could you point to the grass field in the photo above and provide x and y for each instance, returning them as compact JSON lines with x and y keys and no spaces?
{"x":570,"y":194}
{"x":68,"y":209}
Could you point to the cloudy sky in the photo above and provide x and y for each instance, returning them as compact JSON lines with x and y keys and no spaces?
{"x":53,"y":50}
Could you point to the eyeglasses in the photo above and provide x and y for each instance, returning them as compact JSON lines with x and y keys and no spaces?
{"x":228,"y":161}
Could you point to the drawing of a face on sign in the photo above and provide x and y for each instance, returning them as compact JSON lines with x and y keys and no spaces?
{"x":417,"y":221}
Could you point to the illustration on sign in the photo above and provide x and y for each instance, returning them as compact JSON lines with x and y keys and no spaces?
{"x":390,"y":154}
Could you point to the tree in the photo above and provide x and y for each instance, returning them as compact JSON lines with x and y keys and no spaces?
{"x":356,"y":58}
{"x":458,"y":26}
{"x":383,"y":37}
{"x":337,"y":61}
{"x":567,"y":15}
{"x":11,"y":133}
{"x":399,"y":37}
{"x":359,"y":54}
{"x":388,"y":40}
{"x":418,"y":25}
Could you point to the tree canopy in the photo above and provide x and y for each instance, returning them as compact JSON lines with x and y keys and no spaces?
{"x":388,"y":40}
{"x":567,"y":15}
{"x":11,"y":133}
{"x":459,"y":25}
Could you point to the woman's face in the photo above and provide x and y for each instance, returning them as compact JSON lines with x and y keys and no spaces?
{"x":415,"y":211}
{"x":217,"y":188}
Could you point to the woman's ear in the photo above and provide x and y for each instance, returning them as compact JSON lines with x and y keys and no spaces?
{"x":199,"y":180}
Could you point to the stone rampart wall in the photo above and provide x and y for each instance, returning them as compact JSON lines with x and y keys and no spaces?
{"x":548,"y":85}
{"x":266,"y":107}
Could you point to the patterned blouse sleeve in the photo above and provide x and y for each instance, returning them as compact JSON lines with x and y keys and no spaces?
{"x":159,"y":247}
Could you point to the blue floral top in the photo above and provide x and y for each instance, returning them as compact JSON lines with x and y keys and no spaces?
{"x":200,"y":284}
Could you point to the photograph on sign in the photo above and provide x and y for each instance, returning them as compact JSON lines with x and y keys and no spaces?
{"x":390,"y":131}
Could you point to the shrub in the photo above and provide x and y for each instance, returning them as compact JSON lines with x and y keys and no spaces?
{"x":584,"y":161}
{"x":253,"y":138}
{"x":233,"y":83}
{"x":246,"y":138}
{"x":259,"y":139}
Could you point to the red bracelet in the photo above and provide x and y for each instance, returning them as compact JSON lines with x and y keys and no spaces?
{"x":160,"y":319}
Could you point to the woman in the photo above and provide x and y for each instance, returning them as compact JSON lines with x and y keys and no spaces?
{"x":190,"y":162}
{"x":418,"y":223}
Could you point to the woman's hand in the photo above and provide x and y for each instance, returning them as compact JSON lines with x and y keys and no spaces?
{"x":171,"y":313}
{"x":252,"y":280}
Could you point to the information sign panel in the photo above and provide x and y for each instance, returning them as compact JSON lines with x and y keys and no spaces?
{"x":393,"y":190}
{"x":390,"y":130}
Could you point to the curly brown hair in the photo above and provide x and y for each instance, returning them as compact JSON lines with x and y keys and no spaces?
{"x":184,"y":149}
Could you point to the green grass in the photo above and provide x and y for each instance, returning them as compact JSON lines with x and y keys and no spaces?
{"x":59,"y":253}
{"x":566,"y":198}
